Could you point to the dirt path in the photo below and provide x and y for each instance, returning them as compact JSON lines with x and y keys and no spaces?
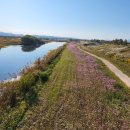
{"x":123,"y":77}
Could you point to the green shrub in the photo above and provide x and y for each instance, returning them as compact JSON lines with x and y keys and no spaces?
{"x":44,"y":76}
{"x":28,"y":40}
{"x":116,"y":97}
{"x":31,"y":96}
{"x":27,"y":82}
{"x":28,"y":90}
{"x":36,"y":74}
{"x":118,"y":86}
{"x":13,"y":99}
{"x":49,"y":71}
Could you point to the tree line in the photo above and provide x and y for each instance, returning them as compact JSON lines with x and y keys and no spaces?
{"x":120,"y":42}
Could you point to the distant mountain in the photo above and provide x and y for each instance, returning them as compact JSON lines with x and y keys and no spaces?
{"x":4,"y":34}
{"x":57,"y":38}
{"x":52,"y":37}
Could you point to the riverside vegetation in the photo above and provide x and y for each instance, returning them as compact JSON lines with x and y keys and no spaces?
{"x":5,"y":41}
{"x":25,"y":40}
{"x":80,"y":93}
{"x":16,"y":97}
{"x":31,"y":40}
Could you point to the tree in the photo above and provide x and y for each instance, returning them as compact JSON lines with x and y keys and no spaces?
{"x":125,"y":42}
{"x":29,"y":40}
{"x":120,"y":42}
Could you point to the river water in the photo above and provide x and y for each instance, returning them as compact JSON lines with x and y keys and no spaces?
{"x":14,"y":58}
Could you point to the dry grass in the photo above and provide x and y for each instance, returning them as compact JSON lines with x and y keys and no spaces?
{"x":119,"y":55}
{"x":4,"y":41}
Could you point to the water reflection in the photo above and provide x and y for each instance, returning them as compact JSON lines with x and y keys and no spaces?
{"x":14,"y":58}
{"x":26,"y":48}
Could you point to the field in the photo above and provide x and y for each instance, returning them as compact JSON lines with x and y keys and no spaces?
{"x":119,"y":55}
{"x":5,"y":41}
{"x":81,"y":94}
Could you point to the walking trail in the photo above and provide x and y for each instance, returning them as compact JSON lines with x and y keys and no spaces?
{"x":123,"y":77}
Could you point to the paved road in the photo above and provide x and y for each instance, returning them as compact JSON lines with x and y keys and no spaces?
{"x":114,"y":69}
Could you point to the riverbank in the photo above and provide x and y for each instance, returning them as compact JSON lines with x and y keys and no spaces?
{"x":26,"y":55}
{"x":6,"y":41}
{"x":16,"y":97}
{"x":81,"y":93}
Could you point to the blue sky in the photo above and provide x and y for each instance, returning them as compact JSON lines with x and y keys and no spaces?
{"x":102,"y":19}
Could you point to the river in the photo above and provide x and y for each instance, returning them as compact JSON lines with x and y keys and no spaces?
{"x":14,"y":58}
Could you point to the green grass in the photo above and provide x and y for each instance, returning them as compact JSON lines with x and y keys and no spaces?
{"x":53,"y":92}
{"x":123,"y":92}
{"x":62,"y":68}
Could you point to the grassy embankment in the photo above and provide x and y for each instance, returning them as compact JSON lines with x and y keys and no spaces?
{"x":18,"y":96}
{"x":119,"y":55}
{"x":81,"y":93}
{"x":6,"y":41}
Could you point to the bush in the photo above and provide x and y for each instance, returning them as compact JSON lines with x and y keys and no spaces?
{"x":36,"y":74}
{"x":44,"y":76}
{"x":29,"y":40}
{"x":31,"y":96}
{"x":28,"y":90}
{"x":116,"y":97}
{"x":118,"y":86}
{"x":13,"y":100}
{"x":27,"y":82}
